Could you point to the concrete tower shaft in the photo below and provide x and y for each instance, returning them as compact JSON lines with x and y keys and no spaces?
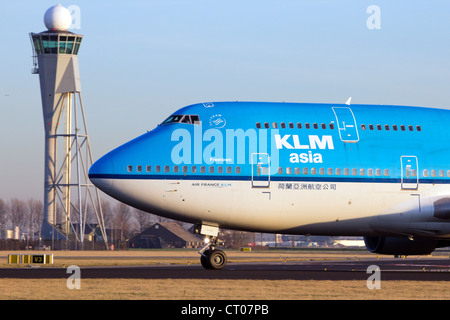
{"x":57,"y":58}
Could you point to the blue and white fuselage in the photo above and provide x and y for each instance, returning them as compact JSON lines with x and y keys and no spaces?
{"x":382,"y":172}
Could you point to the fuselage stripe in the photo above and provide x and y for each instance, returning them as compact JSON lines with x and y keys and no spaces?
{"x":249,"y":178}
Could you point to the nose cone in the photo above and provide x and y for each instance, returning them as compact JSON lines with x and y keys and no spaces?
{"x":101,"y":173}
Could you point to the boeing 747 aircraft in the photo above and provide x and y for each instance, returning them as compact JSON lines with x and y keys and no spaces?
{"x":382,"y":172}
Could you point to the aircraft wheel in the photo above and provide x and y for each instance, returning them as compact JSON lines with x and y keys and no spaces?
{"x":204,"y":260}
{"x":217,"y":259}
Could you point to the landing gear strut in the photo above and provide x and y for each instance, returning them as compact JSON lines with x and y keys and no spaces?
{"x":211,"y":258}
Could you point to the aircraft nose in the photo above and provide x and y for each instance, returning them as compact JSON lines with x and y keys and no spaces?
{"x":101,"y":173}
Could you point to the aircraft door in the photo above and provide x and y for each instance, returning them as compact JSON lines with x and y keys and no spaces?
{"x":410,"y":172}
{"x":260,"y":170}
{"x":348,"y":130}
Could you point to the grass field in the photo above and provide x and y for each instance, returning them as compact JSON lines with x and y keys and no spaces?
{"x":169,"y":289}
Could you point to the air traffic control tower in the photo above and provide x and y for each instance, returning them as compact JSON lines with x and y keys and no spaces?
{"x":68,"y":194}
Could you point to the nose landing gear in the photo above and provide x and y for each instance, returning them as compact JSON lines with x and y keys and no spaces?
{"x":211,"y":258}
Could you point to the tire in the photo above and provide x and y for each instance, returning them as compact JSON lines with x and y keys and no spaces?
{"x":204,"y":260}
{"x":217,"y":259}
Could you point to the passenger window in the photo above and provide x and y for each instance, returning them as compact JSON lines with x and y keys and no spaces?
{"x":280,"y":170}
{"x":185,"y":169}
{"x":202,"y":169}
{"x":362,"y":172}
{"x":321,"y":171}
{"x":238,"y":170}
{"x":297,"y":171}
{"x":338,"y":171}
{"x":346,"y":172}
{"x":425,"y":173}
{"x":378,"y":172}
{"x":379,"y":126}
{"x":305,"y":171}
{"x":166,"y":169}
{"x":291,"y":125}
{"x":211,"y":169}
{"x":139,"y":168}
{"x":194,"y":169}
{"x":394,"y":127}
{"x":288,"y":170}
{"x":418,"y":128}
{"x":386,"y":173}
{"x":283,"y":125}
{"x":386,"y":127}
{"x":331,"y":126}
{"x":410,"y":128}
{"x":323,"y":125}
{"x":220,"y":170}
{"x":307,"y":126}
{"x":433,"y":173}
{"x":266,"y":125}
{"x":158,"y":168}
{"x":330,"y":171}
{"x":371,"y":126}
{"x":354,"y":172}
{"x":313,"y":171}
{"x":441,"y":173}
{"x":402,"y":127}
{"x":175,"y":169}
{"x":275,"y":125}
{"x":229,"y":169}
{"x":363,"y":127}
{"x":148,"y":168}
{"x":258,"y":125}
{"x":130,"y":168}
{"x":299,"y":125}
{"x":315,"y":126}
{"x":370,"y":172}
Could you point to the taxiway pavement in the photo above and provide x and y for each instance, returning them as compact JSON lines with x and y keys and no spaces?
{"x":391,"y":269}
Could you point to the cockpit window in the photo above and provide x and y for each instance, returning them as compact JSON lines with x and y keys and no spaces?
{"x":182,"y":118}
{"x":173,"y":119}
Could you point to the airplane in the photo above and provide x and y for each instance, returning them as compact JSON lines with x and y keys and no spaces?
{"x":377,"y":171}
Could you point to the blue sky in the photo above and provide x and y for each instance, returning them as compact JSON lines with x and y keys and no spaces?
{"x":142,"y":60}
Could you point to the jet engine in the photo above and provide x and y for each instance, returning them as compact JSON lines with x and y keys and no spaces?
{"x":400,"y":245}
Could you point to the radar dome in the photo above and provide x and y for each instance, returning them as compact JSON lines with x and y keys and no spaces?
{"x":58,"y":18}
